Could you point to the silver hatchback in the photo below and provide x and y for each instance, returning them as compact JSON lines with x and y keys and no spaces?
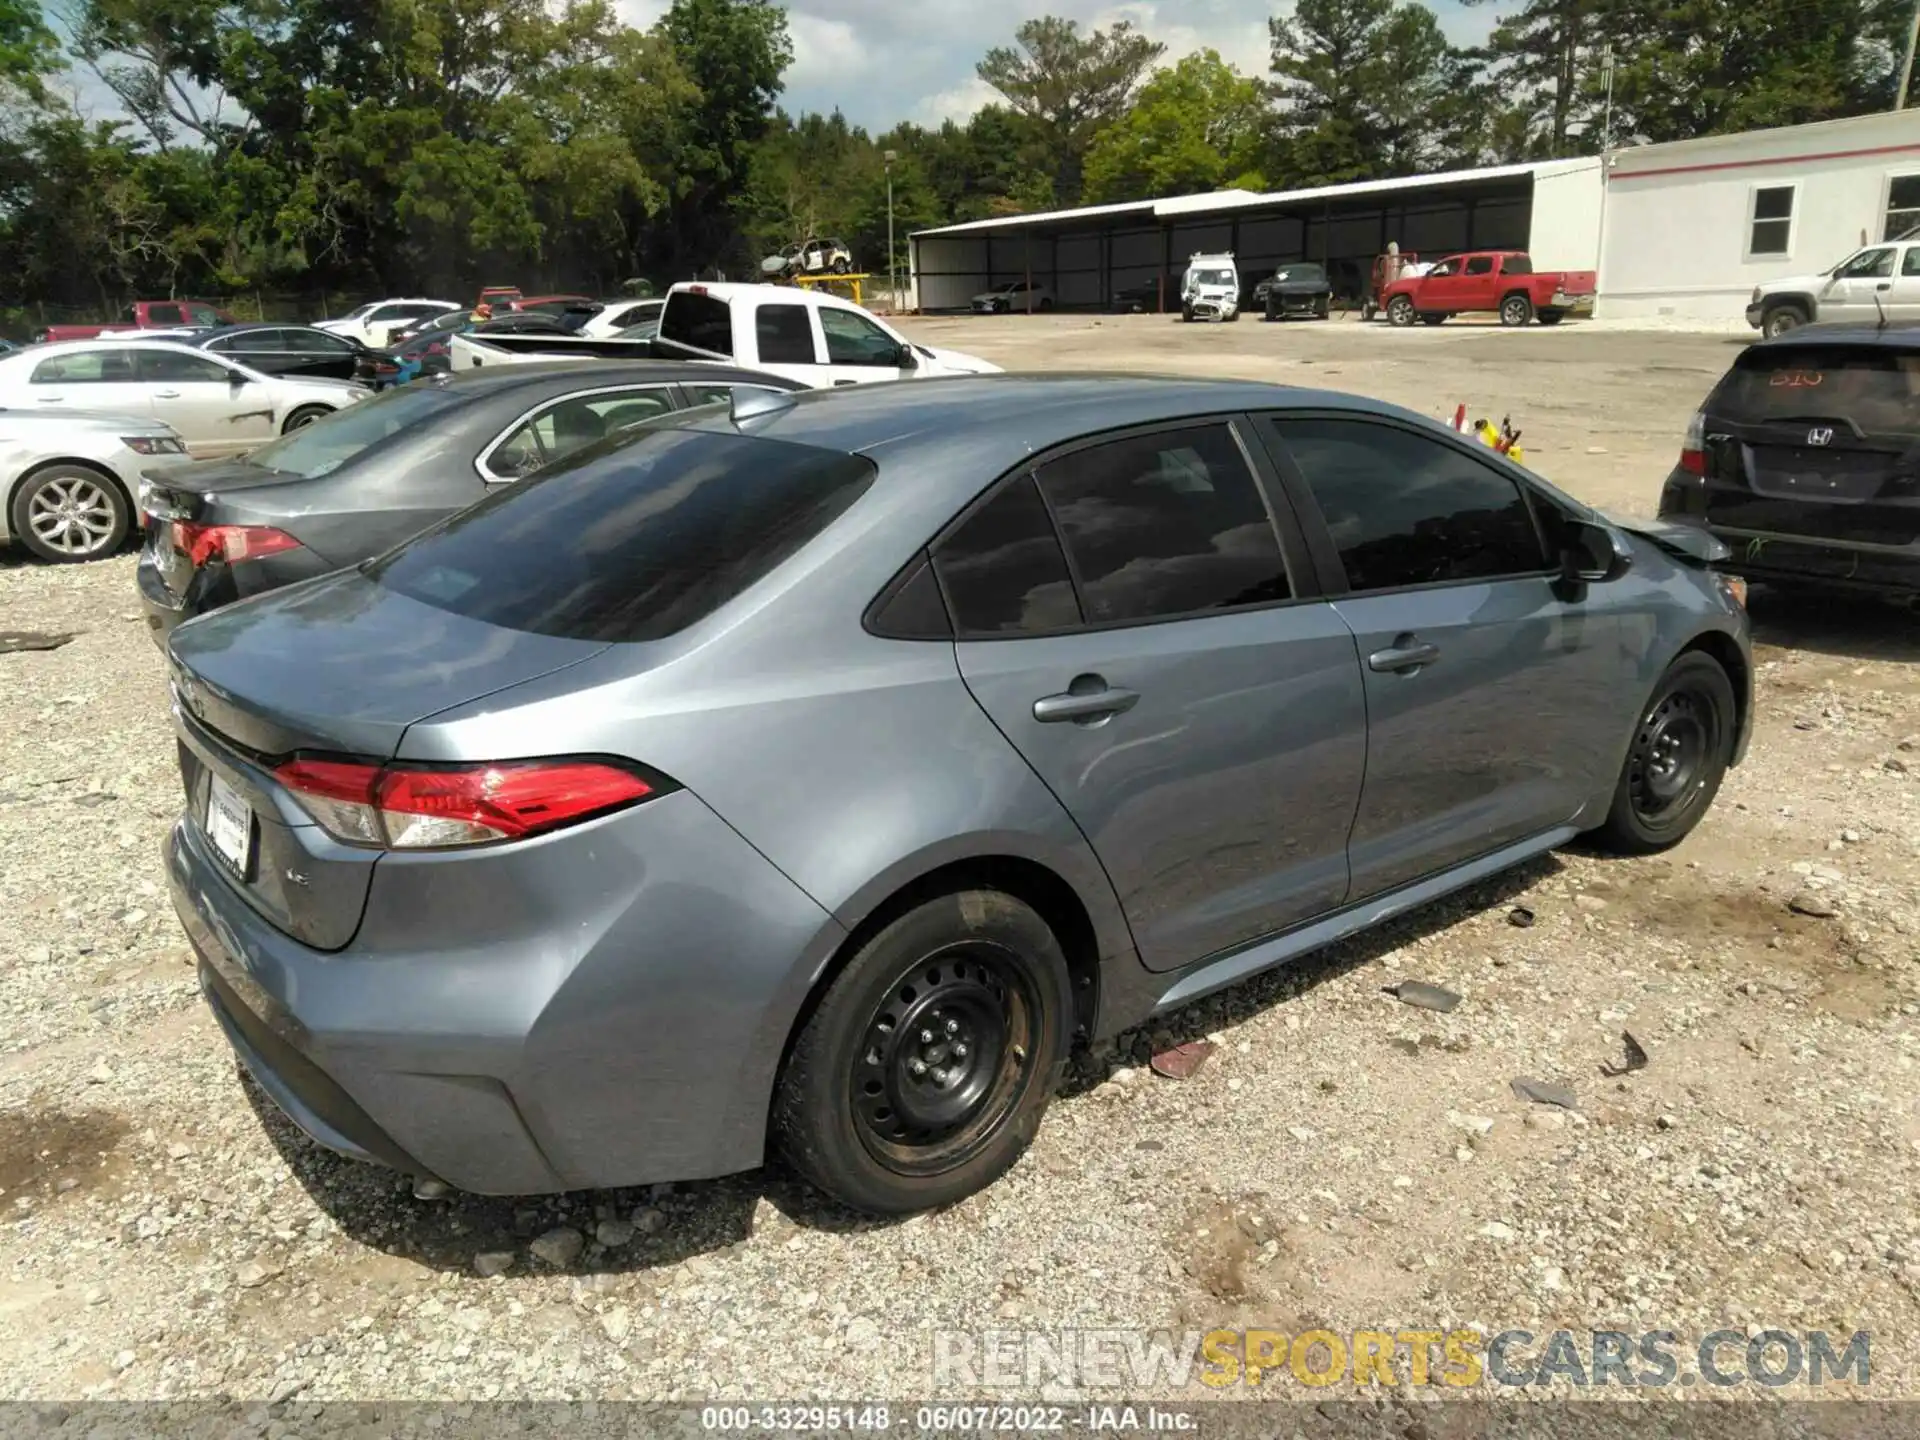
{"x":821,"y":772}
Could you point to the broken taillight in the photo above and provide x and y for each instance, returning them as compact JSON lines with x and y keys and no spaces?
{"x":1693,"y":449}
{"x":201,"y":543}
{"x":412,"y":807}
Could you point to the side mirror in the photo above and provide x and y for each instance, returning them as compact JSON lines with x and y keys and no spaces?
{"x":235,"y":379}
{"x":1592,"y":554}
{"x":908,"y":360}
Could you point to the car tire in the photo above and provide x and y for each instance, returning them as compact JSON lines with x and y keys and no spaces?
{"x":1551,"y":317}
{"x":841,"y":267}
{"x":66,"y":514}
{"x":1400,"y":312}
{"x":1778,"y":319}
{"x":970,"y":987}
{"x":1681,"y":746}
{"x":1046,"y":303}
{"x":1515,"y":311}
{"x":304,"y":417}
{"x":1324,"y":310}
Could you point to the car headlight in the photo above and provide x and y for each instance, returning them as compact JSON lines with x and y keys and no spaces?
{"x":154,"y":444}
{"x":357,"y":392}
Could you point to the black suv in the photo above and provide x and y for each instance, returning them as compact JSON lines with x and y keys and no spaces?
{"x":1805,"y":460}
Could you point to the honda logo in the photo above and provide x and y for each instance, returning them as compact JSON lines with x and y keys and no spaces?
{"x":1820,"y":435}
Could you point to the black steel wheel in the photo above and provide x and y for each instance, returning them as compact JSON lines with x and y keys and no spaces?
{"x":921,"y":1075}
{"x":1676,"y":758}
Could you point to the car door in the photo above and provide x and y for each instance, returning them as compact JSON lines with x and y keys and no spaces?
{"x":559,"y":427}
{"x":1902,"y":298}
{"x":1851,"y":293}
{"x":218,"y":410}
{"x":1479,"y":285}
{"x":1142,"y":625}
{"x":1496,"y":697}
{"x":259,"y":349}
{"x":1442,"y":287}
{"x":859,"y":351}
{"x":317,"y":354}
{"x":786,"y":342}
{"x":101,"y":381}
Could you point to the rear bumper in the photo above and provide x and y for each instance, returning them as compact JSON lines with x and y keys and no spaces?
{"x":1770,"y":555}
{"x":603,"y":1007}
{"x":1569,"y":304}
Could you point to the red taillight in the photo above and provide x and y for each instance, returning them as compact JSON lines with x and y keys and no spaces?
{"x":413,"y":808}
{"x":1693,"y":449}
{"x":201,"y":543}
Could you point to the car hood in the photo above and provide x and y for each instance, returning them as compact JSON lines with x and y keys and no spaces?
{"x":92,"y":421}
{"x":992,"y":295}
{"x":952,"y":362}
{"x":1796,"y":283}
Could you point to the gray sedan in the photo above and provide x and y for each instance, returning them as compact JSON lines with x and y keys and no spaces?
{"x":349,"y":487}
{"x":824,"y":771}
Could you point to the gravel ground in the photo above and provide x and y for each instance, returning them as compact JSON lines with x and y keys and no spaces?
{"x":1342,"y":1160}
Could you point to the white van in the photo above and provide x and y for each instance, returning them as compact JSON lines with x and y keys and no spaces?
{"x":1210,"y":289}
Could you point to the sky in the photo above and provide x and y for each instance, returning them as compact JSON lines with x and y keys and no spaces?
{"x":883,"y":61}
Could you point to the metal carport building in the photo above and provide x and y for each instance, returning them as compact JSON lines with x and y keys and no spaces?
{"x":1551,"y":208}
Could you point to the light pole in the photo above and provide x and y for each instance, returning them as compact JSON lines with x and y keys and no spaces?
{"x":893,"y":269}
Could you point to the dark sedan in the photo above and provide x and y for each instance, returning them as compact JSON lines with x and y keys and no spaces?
{"x":334,"y":494}
{"x":288,"y":350}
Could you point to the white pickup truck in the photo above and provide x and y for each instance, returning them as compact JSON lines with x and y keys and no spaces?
{"x":1874,"y":281}
{"x":817,"y":339}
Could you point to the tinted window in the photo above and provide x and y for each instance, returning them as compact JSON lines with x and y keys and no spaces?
{"x":785,"y":335}
{"x":1517,"y":265}
{"x":85,"y":367}
{"x":183,"y":369}
{"x":158,"y":314}
{"x":723,"y":394}
{"x":1480,"y":265}
{"x":1407,"y":510}
{"x":573,"y":423}
{"x":630,"y":540}
{"x":251,"y":342}
{"x":327,"y":444}
{"x":1002,"y":570}
{"x":855,"y":340}
{"x":1911,"y":265}
{"x":313,"y":342}
{"x":1876,"y":389}
{"x":701,"y":321}
{"x":1168,"y":524}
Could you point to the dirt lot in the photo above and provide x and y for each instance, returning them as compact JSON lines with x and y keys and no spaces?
{"x":1342,"y":1160}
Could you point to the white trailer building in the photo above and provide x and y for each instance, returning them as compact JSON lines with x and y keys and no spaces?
{"x":1691,"y":227}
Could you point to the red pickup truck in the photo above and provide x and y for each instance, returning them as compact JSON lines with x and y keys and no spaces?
{"x":145,"y":315}
{"x":1503,"y":281}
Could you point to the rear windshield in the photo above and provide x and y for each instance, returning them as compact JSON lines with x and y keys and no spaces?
{"x":701,"y":321}
{"x":1873,"y":388}
{"x":324,"y":446}
{"x":630,"y":539}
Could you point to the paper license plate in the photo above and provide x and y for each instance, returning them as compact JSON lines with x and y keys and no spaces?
{"x":229,"y":823}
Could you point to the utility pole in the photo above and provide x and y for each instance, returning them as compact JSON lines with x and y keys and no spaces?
{"x":893,"y":268}
{"x":1906,"y":70}
{"x":1606,"y":114}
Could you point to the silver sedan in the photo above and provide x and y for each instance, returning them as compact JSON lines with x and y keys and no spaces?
{"x":68,"y":482}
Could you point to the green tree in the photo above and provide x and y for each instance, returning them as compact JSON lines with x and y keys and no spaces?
{"x":1545,"y":59}
{"x":1361,"y":90}
{"x":1070,"y":85}
{"x":1198,"y":125}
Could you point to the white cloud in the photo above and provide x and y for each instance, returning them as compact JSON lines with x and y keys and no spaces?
{"x":827,"y":54}
{"x":959,"y":103}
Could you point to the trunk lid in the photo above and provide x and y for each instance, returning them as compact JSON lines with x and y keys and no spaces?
{"x":191,"y":492}
{"x":1820,"y":442}
{"x":338,"y":666}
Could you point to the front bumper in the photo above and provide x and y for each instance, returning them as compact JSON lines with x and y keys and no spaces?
{"x":1206,"y":309}
{"x":1755,"y":315}
{"x":601,"y":1007}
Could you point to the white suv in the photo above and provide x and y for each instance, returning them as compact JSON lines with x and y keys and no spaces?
{"x":1210,"y":290}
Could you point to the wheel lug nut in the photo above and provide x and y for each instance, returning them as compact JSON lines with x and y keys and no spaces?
{"x":918,"y":1067}
{"x":959,"y":1052}
{"x":953,"y":1027}
{"x":926,"y":1037}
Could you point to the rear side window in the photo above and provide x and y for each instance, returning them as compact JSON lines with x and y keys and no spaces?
{"x":1164,"y":525}
{"x":1405,"y":510}
{"x":785,"y":335}
{"x":702,"y":321}
{"x":1875,"y":389}
{"x":84,"y":367}
{"x":166,"y":315}
{"x":1480,"y":265}
{"x":1002,"y":569}
{"x":1516,"y":265}
{"x":629,"y":540}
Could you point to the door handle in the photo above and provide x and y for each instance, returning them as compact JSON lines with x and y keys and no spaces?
{"x":52,"y":399}
{"x":166,"y":394}
{"x":1884,"y":285}
{"x":1089,"y":704}
{"x":1407,"y":653}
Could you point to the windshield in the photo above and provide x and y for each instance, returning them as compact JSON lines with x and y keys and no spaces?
{"x":1213,"y":277}
{"x":1299,"y":272}
{"x":1876,"y":389}
{"x":631,"y":538}
{"x":324,"y":446}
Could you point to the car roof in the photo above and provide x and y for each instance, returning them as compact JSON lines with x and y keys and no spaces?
{"x":566,"y":374}
{"x":131,"y":337}
{"x":1001,"y":418}
{"x":1894,"y":335}
{"x":242,"y":327}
